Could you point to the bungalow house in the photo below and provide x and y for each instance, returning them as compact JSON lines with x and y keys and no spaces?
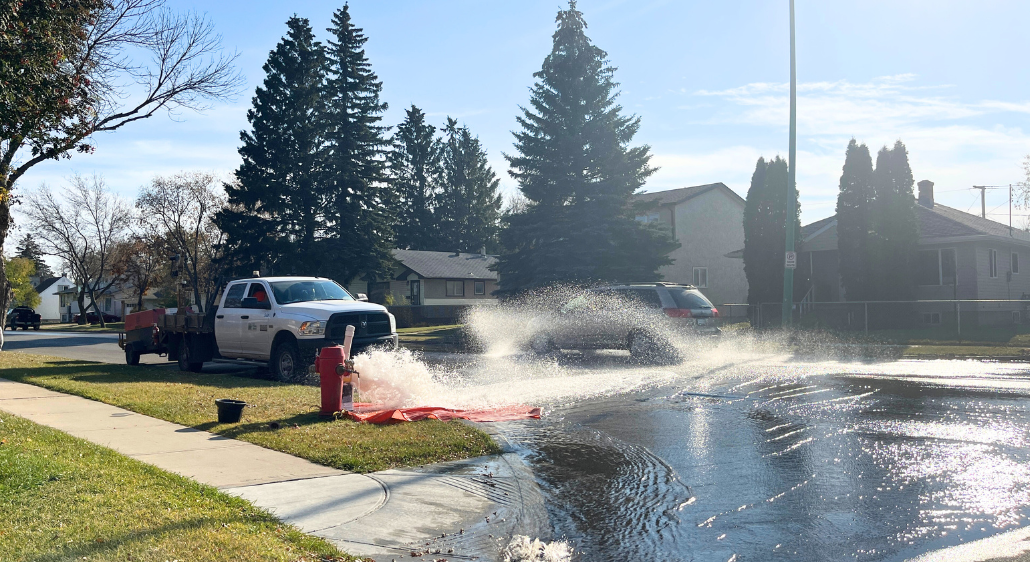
{"x":49,"y":291}
{"x":708,"y":222}
{"x":961,"y":256}
{"x":118,"y":301}
{"x":423,"y":278}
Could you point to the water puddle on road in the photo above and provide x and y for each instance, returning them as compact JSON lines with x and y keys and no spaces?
{"x":746,"y":452}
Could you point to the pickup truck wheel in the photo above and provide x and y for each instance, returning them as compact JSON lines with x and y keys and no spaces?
{"x":186,"y":362}
{"x":285,"y":362}
{"x":131,"y":356}
{"x":36,"y":328}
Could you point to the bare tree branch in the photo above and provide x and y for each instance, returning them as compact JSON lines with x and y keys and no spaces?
{"x":184,"y":206}
{"x":82,"y":228}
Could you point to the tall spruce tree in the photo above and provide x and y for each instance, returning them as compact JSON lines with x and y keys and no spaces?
{"x":361,"y":233}
{"x":895,"y":235}
{"x":854,"y":216}
{"x":765,"y":220}
{"x":578,"y":172}
{"x":415,"y":172}
{"x":29,"y":249}
{"x":469,"y":212}
{"x":275,"y":213}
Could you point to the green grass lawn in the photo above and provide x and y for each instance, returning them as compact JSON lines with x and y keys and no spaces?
{"x":967,"y":350}
{"x":63,"y":498}
{"x":111,"y":327}
{"x":434,"y":338}
{"x":188,"y":399}
{"x":1015,"y":336}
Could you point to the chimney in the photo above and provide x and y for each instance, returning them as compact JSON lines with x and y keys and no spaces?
{"x":926,"y":193}
{"x":482,"y":250}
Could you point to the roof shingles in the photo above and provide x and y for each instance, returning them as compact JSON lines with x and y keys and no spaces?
{"x":447,"y":265}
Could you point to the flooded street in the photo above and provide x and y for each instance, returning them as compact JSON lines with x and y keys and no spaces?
{"x":744,"y":455}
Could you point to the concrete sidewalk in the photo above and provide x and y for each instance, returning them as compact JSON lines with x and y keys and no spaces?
{"x":459,"y":511}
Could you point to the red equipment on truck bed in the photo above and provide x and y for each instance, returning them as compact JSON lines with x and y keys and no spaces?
{"x":143,"y":319}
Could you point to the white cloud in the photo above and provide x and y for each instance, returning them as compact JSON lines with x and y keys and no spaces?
{"x":953,"y":142}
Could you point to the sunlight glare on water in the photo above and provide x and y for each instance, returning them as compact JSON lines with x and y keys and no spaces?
{"x":754,"y":447}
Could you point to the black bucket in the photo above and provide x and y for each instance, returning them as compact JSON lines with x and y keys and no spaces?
{"x":229,"y":411}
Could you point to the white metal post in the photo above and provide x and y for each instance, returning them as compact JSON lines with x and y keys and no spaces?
{"x":866,"y":307}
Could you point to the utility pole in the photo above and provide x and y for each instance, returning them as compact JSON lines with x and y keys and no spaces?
{"x":983,"y":199}
{"x":790,"y":258}
{"x":1010,"y":209}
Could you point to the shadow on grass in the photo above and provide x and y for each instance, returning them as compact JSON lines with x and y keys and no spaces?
{"x":111,"y":545}
{"x":264,"y":426}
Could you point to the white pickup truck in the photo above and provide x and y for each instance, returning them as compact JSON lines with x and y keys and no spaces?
{"x":279,"y":320}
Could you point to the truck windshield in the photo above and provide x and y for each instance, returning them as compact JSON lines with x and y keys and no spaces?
{"x":288,"y":292}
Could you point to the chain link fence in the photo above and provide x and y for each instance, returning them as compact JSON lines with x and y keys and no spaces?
{"x":863,"y":316}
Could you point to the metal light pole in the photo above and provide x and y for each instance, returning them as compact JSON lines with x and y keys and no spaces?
{"x":789,"y":263}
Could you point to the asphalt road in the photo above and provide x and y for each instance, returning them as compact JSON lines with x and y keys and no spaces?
{"x":92,"y":347}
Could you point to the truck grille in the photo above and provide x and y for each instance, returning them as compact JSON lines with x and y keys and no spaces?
{"x":366,"y":325}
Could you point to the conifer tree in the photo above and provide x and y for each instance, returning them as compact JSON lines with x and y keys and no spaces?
{"x":275,"y":213}
{"x":895,"y":235}
{"x":415,"y":172}
{"x":361,"y":234}
{"x":469,"y":212}
{"x":765,"y":219}
{"x":854,"y":215}
{"x":576,"y":167}
{"x":29,"y":249}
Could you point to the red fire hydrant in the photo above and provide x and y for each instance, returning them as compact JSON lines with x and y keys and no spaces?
{"x":335,"y":375}
{"x":329,"y":365}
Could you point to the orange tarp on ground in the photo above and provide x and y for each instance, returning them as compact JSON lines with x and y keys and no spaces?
{"x":370,"y":413}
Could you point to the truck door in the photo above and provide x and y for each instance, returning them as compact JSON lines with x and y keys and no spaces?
{"x":256,"y":330}
{"x":228,"y":320}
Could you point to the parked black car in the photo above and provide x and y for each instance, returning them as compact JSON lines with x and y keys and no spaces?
{"x":641,"y":317}
{"x":22,"y":317}
{"x":92,"y":318}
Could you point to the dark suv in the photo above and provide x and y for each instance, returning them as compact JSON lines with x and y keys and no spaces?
{"x":640,"y":317}
{"x":22,"y":317}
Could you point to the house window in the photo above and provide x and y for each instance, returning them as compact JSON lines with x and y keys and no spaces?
{"x":480,"y":287}
{"x":1014,"y":264}
{"x":993,"y":262}
{"x":701,"y":277}
{"x":107,"y":304}
{"x":650,"y":217}
{"x":455,"y":288}
{"x":414,"y":292}
{"x":932,"y":318}
{"x":936,"y":267}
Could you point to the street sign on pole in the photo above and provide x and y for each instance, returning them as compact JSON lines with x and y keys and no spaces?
{"x":792,"y":260}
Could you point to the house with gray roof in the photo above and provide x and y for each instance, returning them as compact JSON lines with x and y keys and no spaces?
{"x":423,"y":278}
{"x":708,"y":222}
{"x":961,"y":256}
{"x":49,"y":290}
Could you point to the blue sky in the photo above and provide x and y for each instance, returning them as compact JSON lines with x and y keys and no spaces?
{"x":708,"y":79}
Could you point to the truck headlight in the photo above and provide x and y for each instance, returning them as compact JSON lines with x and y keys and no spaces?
{"x":311,"y":328}
{"x":393,"y":323}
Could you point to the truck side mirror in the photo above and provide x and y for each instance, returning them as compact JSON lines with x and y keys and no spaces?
{"x":362,"y":297}
{"x":253,"y":303}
